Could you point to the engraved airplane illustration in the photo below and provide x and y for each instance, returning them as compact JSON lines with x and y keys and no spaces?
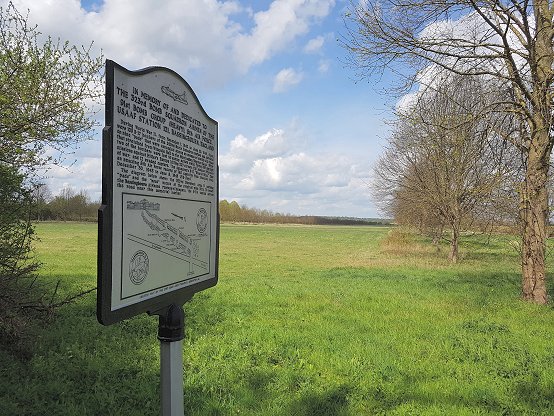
{"x":177,"y":97}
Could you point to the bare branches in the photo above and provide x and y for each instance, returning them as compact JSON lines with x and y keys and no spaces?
{"x":476,"y":38}
{"x":507,"y":41}
{"x":444,"y":159}
{"x":39,"y":304}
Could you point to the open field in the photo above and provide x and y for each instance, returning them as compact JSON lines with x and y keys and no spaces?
{"x":305,"y":320}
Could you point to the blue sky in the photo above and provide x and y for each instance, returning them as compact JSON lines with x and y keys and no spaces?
{"x":297,"y":134}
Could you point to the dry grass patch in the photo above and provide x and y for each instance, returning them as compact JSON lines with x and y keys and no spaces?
{"x":400,"y":241}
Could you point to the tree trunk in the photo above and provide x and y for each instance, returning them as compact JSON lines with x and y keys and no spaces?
{"x":534,"y":215}
{"x":534,"y":207}
{"x":453,"y":255}
{"x":437,"y":236}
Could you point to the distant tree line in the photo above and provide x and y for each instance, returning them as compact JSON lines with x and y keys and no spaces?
{"x":233,"y":212}
{"x":68,"y":205}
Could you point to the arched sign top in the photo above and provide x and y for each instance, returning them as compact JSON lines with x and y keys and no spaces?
{"x":167,"y":89}
{"x":158,"y":224}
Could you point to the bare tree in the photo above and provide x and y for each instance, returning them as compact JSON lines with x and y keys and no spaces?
{"x":41,"y":196}
{"x":79,"y":204}
{"x":506,"y":40}
{"x":442,"y":158}
{"x":409,"y":209}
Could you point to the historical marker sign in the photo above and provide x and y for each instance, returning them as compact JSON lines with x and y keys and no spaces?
{"x":158,"y":224}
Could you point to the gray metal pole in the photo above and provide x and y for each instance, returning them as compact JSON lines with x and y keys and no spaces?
{"x":170,"y":333}
{"x":171,"y":366}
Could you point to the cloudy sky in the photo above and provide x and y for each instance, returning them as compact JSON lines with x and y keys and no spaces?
{"x":297,"y":133}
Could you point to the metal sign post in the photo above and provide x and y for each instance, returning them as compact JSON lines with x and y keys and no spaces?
{"x":171,"y":327}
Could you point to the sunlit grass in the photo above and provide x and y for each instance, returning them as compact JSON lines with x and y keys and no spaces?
{"x":304,"y":321}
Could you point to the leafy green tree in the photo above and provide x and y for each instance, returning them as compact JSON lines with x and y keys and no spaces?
{"x":16,"y":263}
{"x":61,"y":204}
{"x":78,"y":205}
{"x":43,"y":90}
{"x":234,"y":211}
{"x":46,"y":87}
{"x":224,"y":210}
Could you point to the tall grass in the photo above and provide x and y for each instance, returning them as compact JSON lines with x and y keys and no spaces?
{"x":304,"y":321}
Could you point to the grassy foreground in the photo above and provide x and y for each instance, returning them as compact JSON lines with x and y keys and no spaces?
{"x":304,"y":321}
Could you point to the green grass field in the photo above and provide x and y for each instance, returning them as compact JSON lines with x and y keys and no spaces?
{"x":305,"y":320}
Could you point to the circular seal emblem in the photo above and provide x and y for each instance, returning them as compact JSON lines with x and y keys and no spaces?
{"x":201,"y":220}
{"x":138,"y":267}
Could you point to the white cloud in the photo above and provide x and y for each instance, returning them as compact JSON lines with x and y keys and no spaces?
{"x":314,"y":45}
{"x":271,"y":171}
{"x":210,"y":42}
{"x":299,"y":173}
{"x":285,"y":79}
{"x":242,"y":151}
{"x":201,"y":37}
{"x":277,"y":27}
{"x":323,"y":66}
{"x":84,"y":175}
